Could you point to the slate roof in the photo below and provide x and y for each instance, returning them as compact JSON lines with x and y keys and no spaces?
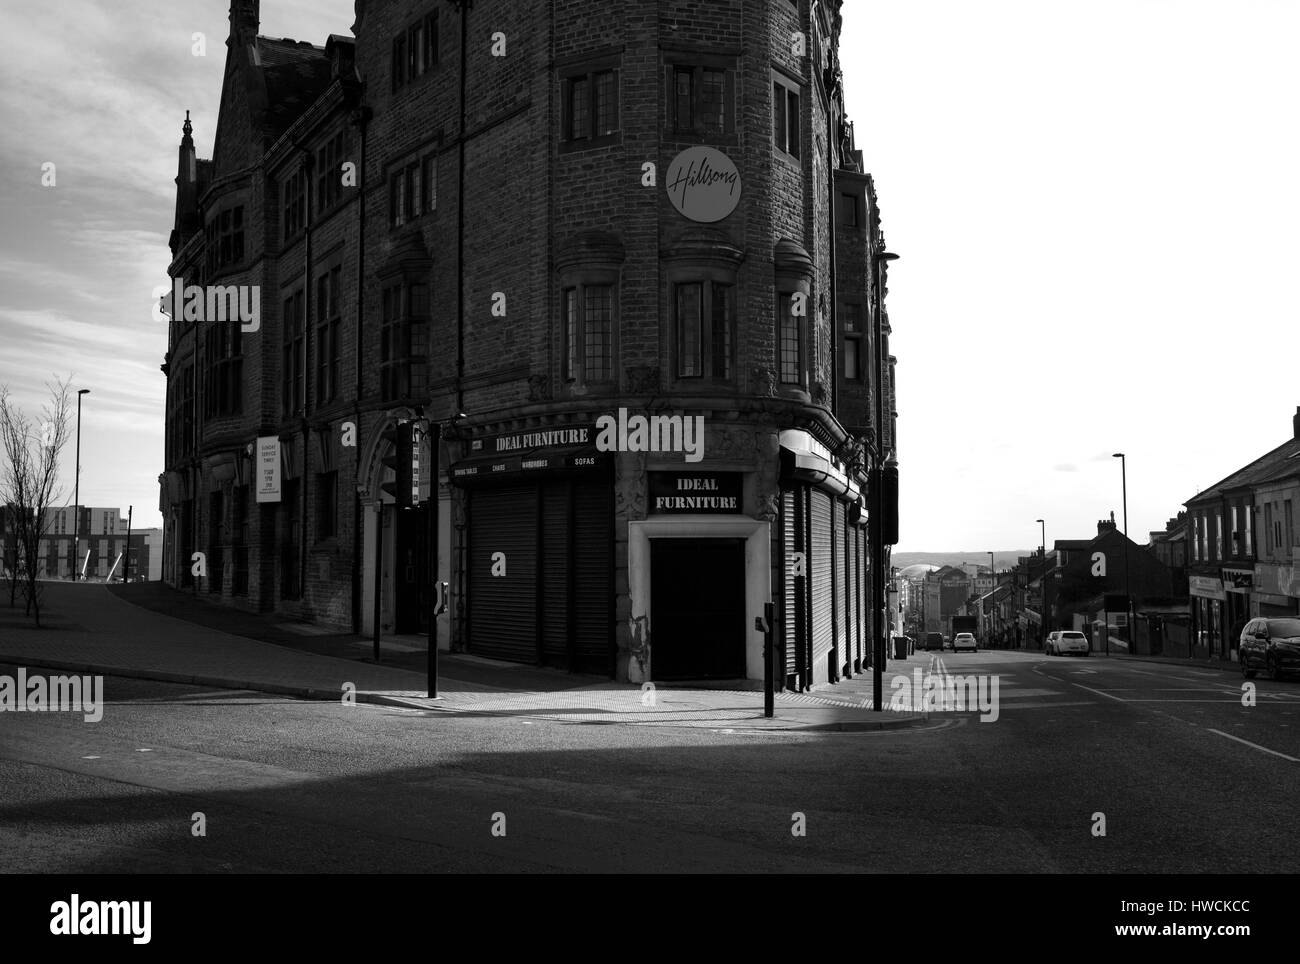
{"x":1281,"y":463}
{"x":296,"y":73}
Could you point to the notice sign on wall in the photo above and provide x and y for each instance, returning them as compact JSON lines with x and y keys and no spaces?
{"x":703,"y":184}
{"x":696,"y":492}
{"x":268,"y":469}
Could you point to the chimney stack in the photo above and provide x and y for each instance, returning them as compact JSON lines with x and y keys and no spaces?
{"x":1295,"y":423}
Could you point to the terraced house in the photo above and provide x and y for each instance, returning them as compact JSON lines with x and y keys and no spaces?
{"x":619,"y":264}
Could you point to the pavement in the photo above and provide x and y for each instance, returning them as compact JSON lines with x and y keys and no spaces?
{"x":152,"y":631}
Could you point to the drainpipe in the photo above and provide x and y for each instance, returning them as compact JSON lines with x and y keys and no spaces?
{"x":360,"y":118}
{"x":464,"y":6}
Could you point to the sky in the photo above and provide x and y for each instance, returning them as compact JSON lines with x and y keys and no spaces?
{"x":1093,"y":203}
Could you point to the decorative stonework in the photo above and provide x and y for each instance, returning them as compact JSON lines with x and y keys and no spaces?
{"x":643,"y":380}
{"x":539,"y":388}
{"x":764,"y":382}
{"x":819,"y":394}
{"x":729,"y":444}
{"x":629,"y":486}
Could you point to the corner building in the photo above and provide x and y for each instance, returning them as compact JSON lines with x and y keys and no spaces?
{"x":568,"y":216}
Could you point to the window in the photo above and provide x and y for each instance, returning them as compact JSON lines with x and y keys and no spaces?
{"x":329,"y":172}
{"x":588,"y":333}
{"x":329,"y":317}
{"x":327,"y":505}
{"x":294,"y":199}
{"x":849,"y":210}
{"x":293,"y":394}
{"x":701,"y":99}
{"x":1269,"y":539}
{"x":415,"y":51}
{"x":1289,"y":531}
{"x":1235,"y":533}
{"x":785,"y":117}
{"x":705,"y":320}
{"x":852,"y":363}
{"x":290,"y":532}
{"x":403,"y":336}
{"x":224,"y":240}
{"x":399,"y":61}
{"x":1248,"y":520}
{"x":790,"y":340}
{"x":412,"y":189}
{"x":187,"y":411}
{"x":1216,"y":547}
{"x":854,"y":354}
{"x":223,"y":377}
{"x":239,"y":540}
{"x":589,"y":106}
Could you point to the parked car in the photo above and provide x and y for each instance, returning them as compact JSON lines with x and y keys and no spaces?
{"x":934,"y":641}
{"x":964,"y":641}
{"x":1064,"y":641}
{"x":1271,"y":645}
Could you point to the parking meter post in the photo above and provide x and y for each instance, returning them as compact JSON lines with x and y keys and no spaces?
{"x":765,"y":625}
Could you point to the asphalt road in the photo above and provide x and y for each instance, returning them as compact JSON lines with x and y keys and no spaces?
{"x":1188,"y":779}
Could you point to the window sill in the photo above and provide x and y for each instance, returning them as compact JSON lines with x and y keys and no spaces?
{"x":590,"y":143}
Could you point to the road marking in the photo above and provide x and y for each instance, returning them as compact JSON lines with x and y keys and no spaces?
{"x":1080,"y":672}
{"x":90,"y":758}
{"x":143,"y":749}
{"x":1254,"y":745}
{"x":1117,"y":699}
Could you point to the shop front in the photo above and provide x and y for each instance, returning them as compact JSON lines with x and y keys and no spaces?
{"x":824,"y":576}
{"x":534,"y":536}
{"x":1208,"y":604}
{"x":1277,"y":590}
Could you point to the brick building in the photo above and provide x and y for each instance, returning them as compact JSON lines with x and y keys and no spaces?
{"x":1086,"y":570}
{"x":1244,"y":541}
{"x":103,"y":537}
{"x":560,"y":218}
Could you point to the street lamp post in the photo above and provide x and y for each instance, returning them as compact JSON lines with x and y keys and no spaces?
{"x":1042,"y":605}
{"x":993,"y":585}
{"x":76,"y":489}
{"x":1128,"y":592}
{"x":876,"y":527}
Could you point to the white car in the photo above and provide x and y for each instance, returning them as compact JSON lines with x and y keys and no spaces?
{"x":964,"y":641}
{"x":1067,"y":641}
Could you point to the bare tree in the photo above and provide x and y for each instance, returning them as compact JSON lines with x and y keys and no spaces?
{"x":29,"y":483}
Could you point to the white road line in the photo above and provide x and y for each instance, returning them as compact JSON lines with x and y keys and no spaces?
{"x":1117,"y":699}
{"x":1254,"y":745}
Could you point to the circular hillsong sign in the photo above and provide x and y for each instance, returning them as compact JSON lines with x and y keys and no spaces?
{"x":703,"y":184}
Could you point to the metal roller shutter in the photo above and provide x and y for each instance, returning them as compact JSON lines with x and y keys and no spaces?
{"x":819,"y":575}
{"x":556,"y":569}
{"x":839,"y":644}
{"x":503,"y":609}
{"x":593,"y":576}
{"x":793,"y":612}
{"x":859,"y":576}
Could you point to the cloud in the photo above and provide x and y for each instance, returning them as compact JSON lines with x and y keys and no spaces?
{"x":1066,"y":467}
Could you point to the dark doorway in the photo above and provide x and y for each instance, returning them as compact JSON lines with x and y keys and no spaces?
{"x":697,"y":613}
{"x":410,"y":569}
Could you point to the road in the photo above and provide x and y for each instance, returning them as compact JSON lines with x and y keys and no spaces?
{"x":1188,"y":779}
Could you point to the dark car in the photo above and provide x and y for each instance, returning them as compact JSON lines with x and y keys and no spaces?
{"x":934,"y":641}
{"x":1271,"y":645}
